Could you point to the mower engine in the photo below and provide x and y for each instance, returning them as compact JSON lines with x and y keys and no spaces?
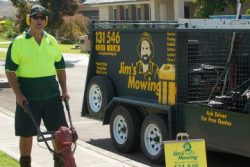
{"x":64,"y":138}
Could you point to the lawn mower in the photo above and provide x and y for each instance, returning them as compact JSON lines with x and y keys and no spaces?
{"x":64,"y":139}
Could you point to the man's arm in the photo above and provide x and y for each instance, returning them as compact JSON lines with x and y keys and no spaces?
{"x":10,"y":68}
{"x":13,"y":82}
{"x":61,"y":75}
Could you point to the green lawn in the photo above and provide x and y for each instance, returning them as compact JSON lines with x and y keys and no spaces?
{"x":2,"y":55}
{"x":4,"y":45}
{"x":69,"y":49}
{"x":2,"y":39}
{"x":7,"y":161}
{"x":64,"y":48}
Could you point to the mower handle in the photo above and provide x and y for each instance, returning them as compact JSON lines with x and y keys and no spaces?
{"x":26,"y":106}
{"x":27,"y":110}
{"x":46,"y":136}
{"x":75,"y":135}
{"x":67,"y":104}
{"x":68,"y":111}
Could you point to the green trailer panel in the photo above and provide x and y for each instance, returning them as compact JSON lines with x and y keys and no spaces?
{"x":223,"y":130}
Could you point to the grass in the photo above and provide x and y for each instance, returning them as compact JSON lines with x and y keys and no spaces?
{"x":2,"y":55}
{"x":7,"y":161}
{"x":4,"y":45}
{"x":63,"y":47}
{"x":66,"y":48}
{"x":3,"y":39}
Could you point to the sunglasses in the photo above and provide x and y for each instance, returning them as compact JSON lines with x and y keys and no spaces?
{"x":36,"y":17}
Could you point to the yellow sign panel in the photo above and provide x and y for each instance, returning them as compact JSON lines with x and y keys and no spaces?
{"x":185,"y":153}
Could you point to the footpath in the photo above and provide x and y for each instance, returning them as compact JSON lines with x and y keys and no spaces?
{"x":86,"y":155}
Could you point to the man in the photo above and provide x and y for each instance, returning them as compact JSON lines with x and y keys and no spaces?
{"x":145,"y":66}
{"x":32,"y":64}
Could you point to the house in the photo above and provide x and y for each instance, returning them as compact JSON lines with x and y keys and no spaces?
{"x":139,"y":9}
{"x":154,"y":10}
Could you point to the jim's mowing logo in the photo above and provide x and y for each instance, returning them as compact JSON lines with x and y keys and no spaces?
{"x":186,"y":154}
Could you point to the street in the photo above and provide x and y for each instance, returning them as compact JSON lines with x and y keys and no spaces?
{"x":92,"y":131}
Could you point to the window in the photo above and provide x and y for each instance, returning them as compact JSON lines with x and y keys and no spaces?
{"x":114,"y":14}
{"x":126,"y":13}
{"x":186,"y":12}
{"x":146,"y":12}
{"x":138,"y":14}
{"x":121,"y":13}
{"x":134,"y":16}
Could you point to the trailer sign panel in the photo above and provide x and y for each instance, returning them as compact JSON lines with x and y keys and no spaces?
{"x":188,"y":153}
{"x":143,"y":68}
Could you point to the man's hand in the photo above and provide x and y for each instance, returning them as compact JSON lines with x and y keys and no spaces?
{"x":20,"y":100}
{"x":65,"y":96}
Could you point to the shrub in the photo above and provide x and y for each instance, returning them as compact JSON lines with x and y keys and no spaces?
{"x":248,"y":12}
{"x":73,"y":27}
{"x":7,"y":28}
{"x":67,"y":41}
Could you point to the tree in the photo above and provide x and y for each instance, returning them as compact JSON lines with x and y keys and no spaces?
{"x":23,"y":9}
{"x":16,"y":3}
{"x":56,"y":9}
{"x":73,"y":27}
{"x":248,"y":12}
{"x":211,"y":7}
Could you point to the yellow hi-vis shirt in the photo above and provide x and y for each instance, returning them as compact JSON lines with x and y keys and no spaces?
{"x":35,"y":65}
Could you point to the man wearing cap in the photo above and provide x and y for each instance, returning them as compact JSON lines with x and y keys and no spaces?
{"x":33,"y":61}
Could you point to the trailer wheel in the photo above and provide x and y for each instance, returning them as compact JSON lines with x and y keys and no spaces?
{"x":154,"y":131}
{"x":99,"y":92}
{"x":125,"y":129}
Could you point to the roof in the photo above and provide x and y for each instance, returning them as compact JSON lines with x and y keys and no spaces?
{"x":95,"y":2}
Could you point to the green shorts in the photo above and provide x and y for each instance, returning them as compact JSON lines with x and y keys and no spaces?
{"x":50,"y":111}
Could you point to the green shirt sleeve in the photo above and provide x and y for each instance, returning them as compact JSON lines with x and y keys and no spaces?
{"x":60,"y":64}
{"x":11,"y":62}
{"x":59,"y":61}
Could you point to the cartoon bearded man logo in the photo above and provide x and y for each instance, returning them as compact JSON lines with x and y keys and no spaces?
{"x":145,"y":66}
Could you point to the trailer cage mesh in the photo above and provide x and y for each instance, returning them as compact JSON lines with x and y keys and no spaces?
{"x":213,"y":69}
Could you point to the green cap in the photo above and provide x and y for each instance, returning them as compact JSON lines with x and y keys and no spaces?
{"x":38,"y":9}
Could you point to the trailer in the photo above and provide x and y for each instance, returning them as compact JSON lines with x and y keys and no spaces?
{"x":152,"y":80}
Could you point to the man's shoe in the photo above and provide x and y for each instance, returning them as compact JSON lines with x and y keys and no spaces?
{"x":25,"y":161}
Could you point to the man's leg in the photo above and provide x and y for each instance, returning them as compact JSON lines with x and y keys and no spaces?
{"x":25,"y":146}
{"x":25,"y":128}
{"x":54,"y":117}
